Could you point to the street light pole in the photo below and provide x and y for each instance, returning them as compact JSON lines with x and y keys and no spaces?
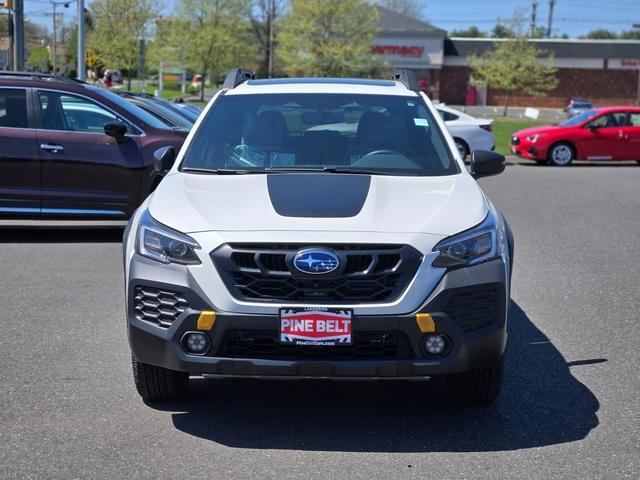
{"x":55,"y":39}
{"x":82,"y":71}
{"x":18,"y":31}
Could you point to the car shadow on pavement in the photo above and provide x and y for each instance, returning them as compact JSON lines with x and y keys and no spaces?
{"x":542,"y":403}
{"x":62,"y":235}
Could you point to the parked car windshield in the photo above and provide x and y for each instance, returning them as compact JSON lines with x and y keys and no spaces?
{"x":381,"y":134}
{"x":129,"y":107}
{"x":578,"y":119}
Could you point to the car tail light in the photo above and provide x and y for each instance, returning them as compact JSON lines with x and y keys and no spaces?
{"x":488,"y":127}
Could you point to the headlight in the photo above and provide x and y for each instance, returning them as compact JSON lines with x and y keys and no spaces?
{"x":163,"y":244}
{"x":483,"y":242}
{"x":535,"y":138}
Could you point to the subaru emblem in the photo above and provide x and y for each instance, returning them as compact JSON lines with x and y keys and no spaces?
{"x":315,"y":261}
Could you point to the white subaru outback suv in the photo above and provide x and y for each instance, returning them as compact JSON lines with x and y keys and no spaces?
{"x":319,"y":228}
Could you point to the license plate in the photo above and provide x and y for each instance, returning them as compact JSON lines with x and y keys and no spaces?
{"x":315,"y":326}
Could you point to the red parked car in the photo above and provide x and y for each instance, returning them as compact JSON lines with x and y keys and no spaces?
{"x":611,"y":133}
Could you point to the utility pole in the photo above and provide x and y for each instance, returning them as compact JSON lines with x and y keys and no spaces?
{"x":534,"y":12}
{"x":82,"y":70}
{"x":18,"y":31}
{"x":10,"y":63}
{"x":271,"y":15}
{"x":55,"y":39}
{"x":550,"y":20}
{"x":637,"y":25}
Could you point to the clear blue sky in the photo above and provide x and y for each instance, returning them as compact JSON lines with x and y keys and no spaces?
{"x":574,"y":17}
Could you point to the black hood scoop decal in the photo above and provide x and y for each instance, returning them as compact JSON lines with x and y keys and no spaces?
{"x":318,"y":195}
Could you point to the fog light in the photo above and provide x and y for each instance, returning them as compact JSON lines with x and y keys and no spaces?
{"x":435,"y":344}
{"x":196,"y":343}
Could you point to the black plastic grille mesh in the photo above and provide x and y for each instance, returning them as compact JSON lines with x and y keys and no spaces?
{"x":158,"y":306}
{"x":474,"y":309}
{"x":263,"y":344}
{"x":369,"y":273}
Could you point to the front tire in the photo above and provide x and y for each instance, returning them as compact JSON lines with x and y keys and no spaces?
{"x":462,"y":147}
{"x":157,"y":383}
{"x":561,"y":154}
{"x":477,"y":387}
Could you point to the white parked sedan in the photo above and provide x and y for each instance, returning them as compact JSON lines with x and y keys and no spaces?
{"x":468,"y":132}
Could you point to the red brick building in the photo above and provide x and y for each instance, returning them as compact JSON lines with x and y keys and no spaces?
{"x":607,"y":72}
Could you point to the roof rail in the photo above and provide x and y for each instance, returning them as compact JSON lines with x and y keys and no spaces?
{"x":39,"y":75}
{"x":406,"y":77}
{"x":237,"y":76}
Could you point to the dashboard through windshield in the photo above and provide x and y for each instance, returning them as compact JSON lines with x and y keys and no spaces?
{"x":355,"y":133}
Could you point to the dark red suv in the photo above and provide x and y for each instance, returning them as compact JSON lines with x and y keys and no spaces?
{"x":72,"y":150}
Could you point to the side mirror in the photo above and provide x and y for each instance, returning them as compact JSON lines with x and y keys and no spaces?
{"x":485,"y":163}
{"x":116,"y":130}
{"x":593,"y":127}
{"x":163,"y":159}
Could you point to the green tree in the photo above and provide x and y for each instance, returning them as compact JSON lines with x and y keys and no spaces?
{"x":118,"y":27}
{"x":502,"y":31}
{"x":409,"y":8}
{"x":630,"y":35}
{"x":601,"y":34}
{"x":38,"y":59}
{"x":216,"y":36}
{"x":514,"y":66}
{"x":329,"y":38}
{"x":71,"y":43}
{"x":32,"y":31}
{"x":471,"y":32}
{"x":257,"y":12}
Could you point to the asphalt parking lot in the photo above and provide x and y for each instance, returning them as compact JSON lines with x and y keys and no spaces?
{"x":570,"y":406}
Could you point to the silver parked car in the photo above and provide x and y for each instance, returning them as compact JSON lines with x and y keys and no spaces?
{"x":468,"y":133}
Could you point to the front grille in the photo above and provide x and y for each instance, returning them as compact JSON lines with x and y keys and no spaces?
{"x":369,"y":273}
{"x":158,"y":306}
{"x":263,"y":344}
{"x":475,"y":308}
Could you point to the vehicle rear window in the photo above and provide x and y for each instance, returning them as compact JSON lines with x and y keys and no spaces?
{"x":376,"y":133}
{"x":447,"y":116}
{"x":13,"y":108}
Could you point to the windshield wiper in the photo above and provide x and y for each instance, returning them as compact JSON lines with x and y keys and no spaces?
{"x":348,"y":170}
{"x":324,"y":170}
{"x":215,"y":171}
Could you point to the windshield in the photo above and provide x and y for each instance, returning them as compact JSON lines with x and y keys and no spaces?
{"x":381,"y":134}
{"x":165,"y":114}
{"x":578,"y":119}
{"x":132,"y":109}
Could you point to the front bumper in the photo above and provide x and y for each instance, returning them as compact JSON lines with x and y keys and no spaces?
{"x":472,"y":344}
{"x":526,"y":149}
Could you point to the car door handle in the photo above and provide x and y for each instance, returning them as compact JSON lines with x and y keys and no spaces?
{"x":52,"y":147}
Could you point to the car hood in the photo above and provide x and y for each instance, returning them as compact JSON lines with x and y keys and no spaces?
{"x":536,"y":130}
{"x":318,"y":202}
